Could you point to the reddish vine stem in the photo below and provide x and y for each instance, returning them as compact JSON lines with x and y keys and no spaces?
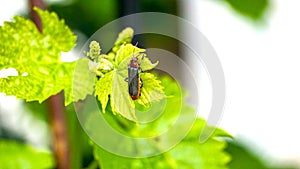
{"x":58,"y":120}
{"x":56,"y":108}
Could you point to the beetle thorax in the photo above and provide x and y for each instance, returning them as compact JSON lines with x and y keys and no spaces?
{"x":134,"y":62}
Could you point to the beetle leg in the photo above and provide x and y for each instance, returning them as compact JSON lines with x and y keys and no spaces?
{"x":141,"y":82}
{"x":126,"y":79}
{"x":140,"y":70}
{"x":143,"y":55}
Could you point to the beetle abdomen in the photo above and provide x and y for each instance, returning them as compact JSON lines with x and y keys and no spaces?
{"x":133,"y":82}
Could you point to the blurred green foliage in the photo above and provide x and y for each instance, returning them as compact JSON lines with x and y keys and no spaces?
{"x":188,"y":154}
{"x":87,"y":15}
{"x":245,"y":157}
{"x":253,"y":9}
{"x":14,"y":155}
{"x":38,"y":110}
{"x":166,"y":6}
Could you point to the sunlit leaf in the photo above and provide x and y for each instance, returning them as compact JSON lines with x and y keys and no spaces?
{"x":125,"y":53}
{"x":120,"y":100}
{"x":40,"y":83}
{"x":146,"y":64}
{"x":124,"y":37}
{"x":152,"y":89}
{"x":83,"y":81}
{"x":36,"y":58}
{"x":103,"y":89}
{"x":113,"y":84}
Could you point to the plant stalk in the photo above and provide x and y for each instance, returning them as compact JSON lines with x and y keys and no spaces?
{"x":59,"y":128}
{"x":56,"y":108}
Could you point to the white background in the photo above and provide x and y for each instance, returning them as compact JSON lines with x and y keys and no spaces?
{"x":261,"y":63}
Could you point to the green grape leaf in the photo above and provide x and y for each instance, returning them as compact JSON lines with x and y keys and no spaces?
{"x":152,"y":89}
{"x":125,"y":53}
{"x":103,"y":89}
{"x":40,"y":82}
{"x":188,"y":154}
{"x":57,"y":34}
{"x":17,"y":155}
{"x":192,"y":155}
{"x":124,"y":37}
{"x":36,"y":58}
{"x":202,"y":124}
{"x":113,"y":85}
{"x":83,"y":81}
{"x":146,"y":64}
{"x":120,"y":100}
{"x":210,"y":154}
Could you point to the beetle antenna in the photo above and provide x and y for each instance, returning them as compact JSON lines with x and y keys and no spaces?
{"x":134,"y":48}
